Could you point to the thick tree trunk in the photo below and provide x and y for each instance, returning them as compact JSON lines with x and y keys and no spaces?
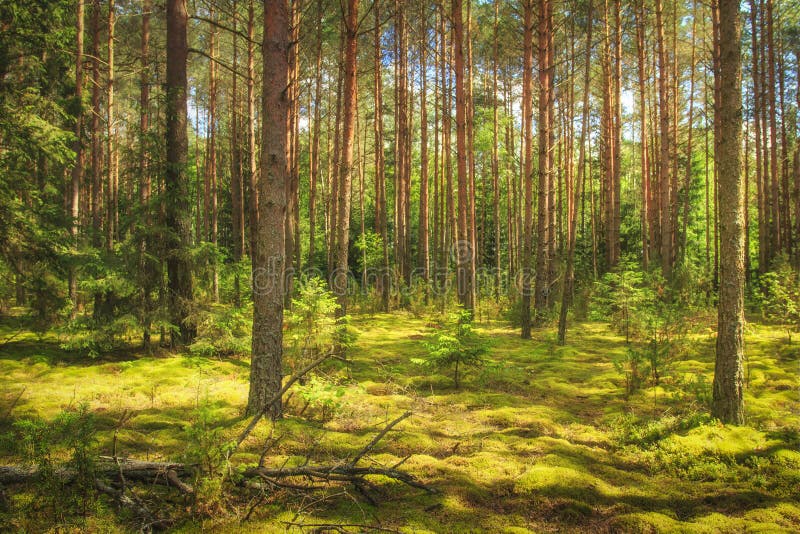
{"x":179,"y":268}
{"x":728,"y":373}
{"x":664,"y":169}
{"x":266,"y":369}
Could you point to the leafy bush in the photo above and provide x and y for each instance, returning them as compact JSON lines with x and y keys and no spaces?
{"x":781,"y":296}
{"x":222,"y":331}
{"x":313,"y":326}
{"x":455,"y":348}
{"x":71,"y":435}
{"x":321,"y":395}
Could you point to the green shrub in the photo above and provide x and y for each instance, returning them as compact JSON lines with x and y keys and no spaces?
{"x":455,"y":348}
{"x":222,"y":331}
{"x":780,"y":296}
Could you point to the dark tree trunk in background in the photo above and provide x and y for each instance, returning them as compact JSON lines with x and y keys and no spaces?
{"x":527,"y":142}
{"x":268,"y":267}
{"x":728,"y":373}
{"x":77,"y":169}
{"x":178,"y":218}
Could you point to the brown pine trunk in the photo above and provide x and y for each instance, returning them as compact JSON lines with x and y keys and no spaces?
{"x":728,"y":373}
{"x":545,"y":192}
{"x":145,"y":185}
{"x":569,"y":275}
{"x":211,"y":152}
{"x":237,"y":182}
{"x":268,"y":268}
{"x":687,"y":183}
{"x":775,"y":226}
{"x":77,"y":169}
{"x":252,"y":170}
{"x":97,"y":147}
{"x":424,"y":248}
{"x":496,"y":157}
{"x":763,"y":232}
{"x":527,"y":143}
{"x":464,"y":247}
{"x":315,"y":148}
{"x":384,"y":279}
{"x":664,"y":169}
{"x":645,"y":160}
{"x":176,"y":183}
{"x":349,"y":110}
{"x":111,"y":134}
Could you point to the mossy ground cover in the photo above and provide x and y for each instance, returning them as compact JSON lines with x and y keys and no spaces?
{"x":540,"y":439}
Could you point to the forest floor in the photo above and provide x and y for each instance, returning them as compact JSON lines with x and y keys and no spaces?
{"x":541,"y":439}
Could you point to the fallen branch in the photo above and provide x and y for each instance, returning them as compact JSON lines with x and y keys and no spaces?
{"x":163,"y":473}
{"x":377,"y":438}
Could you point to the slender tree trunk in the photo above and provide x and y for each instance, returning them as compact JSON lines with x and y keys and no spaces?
{"x":464,"y":249}
{"x":211,"y":153}
{"x":268,"y":268}
{"x":237,"y":182}
{"x":144,"y":164}
{"x":728,"y":373}
{"x":569,"y":276}
{"x":77,"y":169}
{"x":178,"y":218}
{"x":113,"y":173}
{"x":544,"y":230}
{"x":527,"y":143}
{"x":496,"y":156}
{"x":349,"y":110}
{"x":97,"y":146}
{"x":251,"y":130}
{"x":315,"y":147}
{"x":664,"y":171}
{"x":424,"y":249}
{"x":645,"y":161}
{"x":384,"y":279}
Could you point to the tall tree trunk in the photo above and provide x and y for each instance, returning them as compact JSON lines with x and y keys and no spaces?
{"x":569,"y":276}
{"x":645,"y":160}
{"x":268,"y":268}
{"x":543,"y":245}
{"x":77,"y":169}
{"x":496,"y":156}
{"x":113,"y":172}
{"x":527,"y":142}
{"x":145,"y":184}
{"x":211,"y":152}
{"x":315,"y":147}
{"x":178,"y":219}
{"x":380,"y":177}
{"x":237,"y":182}
{"x":97,"y":146}
{"x":728,"y":373}
{"x":424,"y":249}
{"x":664,"y":169}
{"x":349,"y":110}
{"x":252,"y":170}
{"x":464,"y":249}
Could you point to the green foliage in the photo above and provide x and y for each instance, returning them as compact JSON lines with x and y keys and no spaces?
{"x":622,"y":297}
{"x":313,"y":326}
{"x":45,"y":444}
{"x":321,"y":395}
{"x":780,"y":295}
{"x":222,"y":331}
{"x":456,"y":347}
{"x":207,"y":449}
{"x":370,"y":250}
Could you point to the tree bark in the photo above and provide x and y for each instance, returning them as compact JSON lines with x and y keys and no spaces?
{"x":179,"y":268}
{"x":349,"y":110}
{"x":728,"y":373}
{"x":527,"y":142}
{"x":266,"y":369}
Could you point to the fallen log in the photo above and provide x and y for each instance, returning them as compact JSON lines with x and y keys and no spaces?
{"x":163,"y":473}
